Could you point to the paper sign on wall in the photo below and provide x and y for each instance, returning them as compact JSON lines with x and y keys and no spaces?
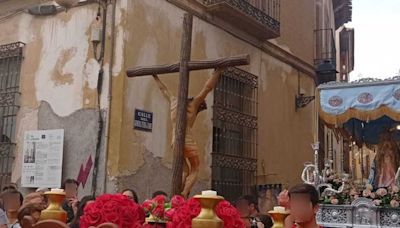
{"x":42,"y":159}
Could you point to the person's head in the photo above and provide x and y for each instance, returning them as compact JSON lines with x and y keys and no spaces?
{"x":202,"y":107}
{"x":86,"y":200}
{"x":131,"y":195}
{"x":9,"y":187}
{"x":70,"y":187}
{"x":36,"y":198}
{"x":31,"y":209}
{"x":247,"y":206}
{"x":12,"y":200}
{"x":158,"y":193}
{"x":43,"y":190}
{"x":303,"y":200}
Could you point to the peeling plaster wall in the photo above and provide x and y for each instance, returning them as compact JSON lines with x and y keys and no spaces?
{"x":58,"y":83}
{"x":65,"y":70}
{"x":58,"y":57}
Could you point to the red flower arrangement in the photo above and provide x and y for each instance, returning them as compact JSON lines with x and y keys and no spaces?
{"x":229,"y":214}
{"x":117,"y":209}
{"x":156,"y":208}
{"x":182,"y":213}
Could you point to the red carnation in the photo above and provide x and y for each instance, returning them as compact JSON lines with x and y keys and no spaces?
{"x":156,"y":207}
{"x":93,"y":216}
{"x":182,"y":216}
{"x":170,"y":213}
{"x":160,"y":199}
{"x":116,"y":209}
{"x":148,"y":205}
{"x":177,"y":201}
{"x":159,"y":211}
{"x":229,"y":215}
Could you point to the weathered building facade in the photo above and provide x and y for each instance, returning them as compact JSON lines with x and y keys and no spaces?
{"x":64,"y":83}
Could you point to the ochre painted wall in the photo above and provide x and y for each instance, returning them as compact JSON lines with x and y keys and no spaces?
{"x":285,"y":135}
{"x":58,"y":70}
{"x":297,"y":28}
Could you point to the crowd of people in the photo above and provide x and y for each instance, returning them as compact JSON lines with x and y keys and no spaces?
{"x":302,"y":200}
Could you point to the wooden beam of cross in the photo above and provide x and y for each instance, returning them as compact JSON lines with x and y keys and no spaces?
{"x":192,"y":66}
{"x":183,"y":68}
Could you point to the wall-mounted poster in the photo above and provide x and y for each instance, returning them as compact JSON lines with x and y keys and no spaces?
{"x":42,"y":159}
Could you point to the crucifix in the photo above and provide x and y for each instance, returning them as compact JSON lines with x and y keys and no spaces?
{"x":184,"y":110}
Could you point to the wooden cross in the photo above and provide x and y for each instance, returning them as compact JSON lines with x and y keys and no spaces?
{"x":183,"y":68}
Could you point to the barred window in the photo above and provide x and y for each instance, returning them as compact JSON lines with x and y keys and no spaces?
{"x":10,"y":66}
{"x":234,"y":153}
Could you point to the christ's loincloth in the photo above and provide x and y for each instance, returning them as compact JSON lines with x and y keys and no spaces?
{"x":190,"y":148}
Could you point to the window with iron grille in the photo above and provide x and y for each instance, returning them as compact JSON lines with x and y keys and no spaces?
{"x":10,"y":66}
{"x":234,"y":153}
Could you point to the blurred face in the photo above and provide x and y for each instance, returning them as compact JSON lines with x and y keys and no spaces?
{"x":301,"y":208}
{"x":71,"y":190}
{"x":128,"y":194}
{"x":245,"y":209}
{"x":89,"y":202}
{"x":12,"y":202}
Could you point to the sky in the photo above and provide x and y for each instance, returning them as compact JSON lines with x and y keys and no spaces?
{"x":377,"y":38}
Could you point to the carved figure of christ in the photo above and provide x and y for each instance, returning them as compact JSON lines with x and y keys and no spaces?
{"x":194,"y":106}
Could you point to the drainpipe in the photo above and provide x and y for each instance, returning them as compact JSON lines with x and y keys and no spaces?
{"x":99,"y":85}
{"x":109,"y":95}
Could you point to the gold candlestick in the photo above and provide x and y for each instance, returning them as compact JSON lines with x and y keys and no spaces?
{"x":207,"y":217}
{"x":54,"y":210}
{"x":278,"y":216}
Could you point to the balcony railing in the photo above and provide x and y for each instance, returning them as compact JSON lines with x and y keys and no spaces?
{"x":260,"y":18}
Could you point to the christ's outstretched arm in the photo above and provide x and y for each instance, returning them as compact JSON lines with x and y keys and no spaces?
{"x":208,"y":87}
{"x":163,"y":88}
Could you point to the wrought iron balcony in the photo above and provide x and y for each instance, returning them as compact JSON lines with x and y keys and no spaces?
{"x":259,"y":18}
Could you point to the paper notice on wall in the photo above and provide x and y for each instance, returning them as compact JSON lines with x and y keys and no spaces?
{"x":42,"y":159}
